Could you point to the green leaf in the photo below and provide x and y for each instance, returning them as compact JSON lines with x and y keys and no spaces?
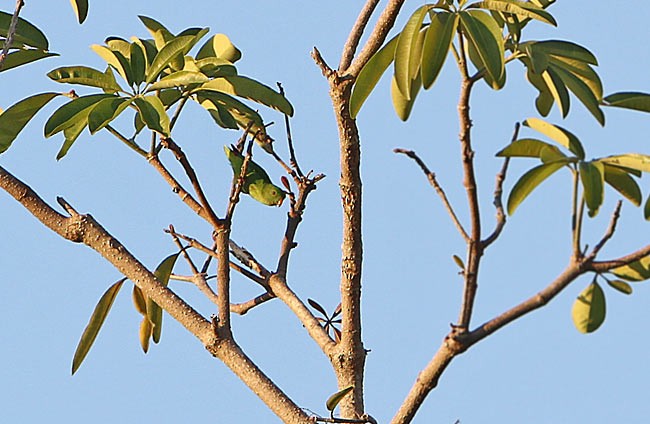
{"x":529,"y":181}
{"x":370,"y":75}
{"x":152,"y":112}
{"x":519,"y":8}
{"x":636,"y":271}
{"x":630,"y":160}
{"x":629,"y":100}
{"x":221,"y":47}
{"x":154,"y":312}
{"x":484,"y":36}
{"x":166,"y":55}
{"x":582,"y":91}
{"x":80,"y":8}
{"x":588,"y":310}
{"x":179,"y":79}
{"x":581,"y":70}
{"x":407,"y":59}
{"x":95,"y":324}
{"x":73,"y":132}
{"x":160,"y":34}
{"x":530,"y":148}
{"x":646,"y":209}
{"x":249,"y":89}
{"x":115,"y":59}
{"x":138,"y":63}
{"x":621,"y":286}
{"x":106,"y":111}
{"x":26,"y":33}
{"x":237,"y":114}
{"x":14,"y":119}
{"x":214,"y":67}
{"x":567,"y":49}
{"x":459,"y":262}
{"x":591,"y":176}
{"x":149,"y":49}
{"x":623,"y":183}
{"x":84,"y":75}
{"x":401,"y":104}
{"x":66,"y":115}
{"x":558,"y":134}
{"x":437,"y":42}
{"x":336,"y":398}
{"x":558,"y":90}
{"x":22,"y":57}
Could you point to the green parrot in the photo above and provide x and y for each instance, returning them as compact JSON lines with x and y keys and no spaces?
{"x":257,"y":183}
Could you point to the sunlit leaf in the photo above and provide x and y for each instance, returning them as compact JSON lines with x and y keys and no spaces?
{"x":22,"y":57}
{"x":630,"y":160}
{"x":66,"y":115}
{"x":152,"y":112}
{"x":335,"y":399}
{"x":84,"y":75}
{"x":591,"y":176}
{"x":370,"y":75}
{"x":250,"y":89}
{"x":558,"y":90}
{"x":567,"y":49}
{"x":80,"y":8}
{"x":407,"y":59}
{"x":588,"y":310}
{"x":115,"y":59}
{"x":558,"y":134}
{"x":139,"y":301}
{"x":437,"y":42}
{"x":149,"y":49}
{"x":146,"y":331}
{"x":26,"y":33}
{"x":166,"y":54}
{"x":623,"y":183}
{"x":401,"y":104}
{"x":621,"y":286}
{"x":530,"y":148}
{"x":629,"y":100}
{"x":519,"y":8}
{"x":459,"y":262}
{"x":636,"y":271}
{"x":160,"y":34}
{"x":14,"y":119}
{"x":214,"y":67}
{"x":95,"y":324}
{"x":221,"y":47}
{"x":73,"y":132}
{"x":179,"y":79}
{"x":582,"y":71}
{"x":529,"y":181}
{"x":154,"y":312}
{"x":106,"y":111}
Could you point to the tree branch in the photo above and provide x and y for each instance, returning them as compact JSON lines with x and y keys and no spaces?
{"x":356,"y":33}
{"x":609,"y":233}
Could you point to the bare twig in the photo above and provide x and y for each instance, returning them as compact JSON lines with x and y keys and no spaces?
{"x":292,"y":153}
{"x":609,"y":233}
{"x":247,"y":259}
{"x":434,"y":183}
{"x":244,"y":307}
{"x":11,"y":32}
{"x":327,"y":71}
{"x":129,"y":142}
{"x":356,"y":33}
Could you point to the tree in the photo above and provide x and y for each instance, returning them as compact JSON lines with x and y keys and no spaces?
{"x":351,"y":188}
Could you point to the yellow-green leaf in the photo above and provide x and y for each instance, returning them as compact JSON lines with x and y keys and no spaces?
{"x":221,"y":47}
{"x":214,"y":67}
{"x":67,"y":115}
{"x":567,"y":49}
{"x":484,"y":36}
{"x":591,"y":176}
{"x":154,"y":312}
{"x":582,"y":91}
{"x":401,"y":104}
{"x":95,"y":324}
{"x":336,"y":398}
{"x":72,"y":132}
{"x":558,"y":90}
{"x":589,"y":309}
{"x":179,"y":79}
{"x":621,"y":286}
{"x":437,"y":41}
{"x":529,"y":181}
{"x":519,"y":8}
{"x":84,"y":75}
{"x":146,"y":331}
{"x":407,"y":59}
{"x":636,"y":271}
{"x":530,"y":148}
{"x":160,"y":34}
{"x":14,"y":119}
{"x":371,"y":74}
{"x":116,"y":60}
{"x":80,"y":8}
{"x":630,"y":160}
{"x":558,"y":134}
{"x":139,"y":301}
{"x":152,"y":112}
{"x":622,"y":182}
{"x":628,"y":100}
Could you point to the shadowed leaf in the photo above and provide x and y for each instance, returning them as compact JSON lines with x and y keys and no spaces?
{"x":484,"y":36}
{"x":250,"y":89}
{"x":68,"y":114}
{"x":106,"y":111}
{"x":152,"y":112}
{"x":166,"y":55}
{"x":336,"y":398}
{"x":622,"y":182}
{"x":407,"y":59}
{"x":139,"y":301}
{"x":519,"y":8}
{"x":588,"y":310}
{"x":636,"y":271}
{"x":401,"y":104}
{"x":22,"y":57}
{"x":621,"y":286}
{"x":80,"y":8}
{"x":591,"y":176}
{"x":154,"y":312}
{"x":26,"y":33}
{"x":629,"y":100}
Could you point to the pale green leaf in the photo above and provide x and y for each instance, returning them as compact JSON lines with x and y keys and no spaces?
{"x":73,"y":132}
{"x":221,"y":47}
{"x":214,"y":67}
{"x":401,"y":104}
{"x":242,"y":115}
{"x":145,"y":333}
{"x":630,"y":160}
{"x":80,"y":8}
{"x":160,"y":34}
{"x":581,"y":70}
{"x":22,"y":57}
{"x":558,"y":90}
{"x":84,"y":75}
{"x":437,"y":42}
{"x":139,"y":300}
{"x":629,"y":100}
{"x":407,"y":59}
{"x":530,"y":148}
{"x":592,"y":178}
{"x":589,"y":309}
{"x":152,"y":112}
{"x":66,"y":115}
{"x":636,"y":271}
{"x":529,"y":181}
{"x":582,"y":91}
{"x":115,"y":59}
{"x":95,"y":324}
{"x":166,"y":55}
{"x":558,"y":134}
{"x":14,"y":119}
{"x":179,"y":79}
{"x":520,"y":8}
{"x":623,"y":183}
{"x":154,"y":312}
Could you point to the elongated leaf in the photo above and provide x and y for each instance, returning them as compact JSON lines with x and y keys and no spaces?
{"x":589,"y":309}
{"x":179,"y":79}
{"x":582,"y":71}
{"x":154,"y":312}
{"x":582,"y":91}
{"x":214,"y":67}
{"x":152,"y":112}
{"x":529,"y":148}
{"x":591,"y":176}
{"x":138,"y":62}
{"x":146,"y":331}
{"x":71,"y":134}
{"x":80,"y":8}
{"x":567,"y":49}
{"x":407,"y":60}
{"x":558,"y":90}
{"x":159,"y":32}
{"x":336,"y":398}
{"x":544,"y":100}
{"x":437,"y":43}
{"x":149,"y":49}
{"x":317,"y":306}
{"x":119,"y":45}
{"x":519,"y":8}
{"x":250,"y":89}
{"x":401,"y":104}
{"x":14,"y":119}
{"x":26,"y":33}
{"x":139,"y":301}
{"x":219,"y":113}
{"x":95,"y":324}
{"x":558,"y":134}
{"x":629,"y":100}
{"x":106,"y":111}
{"x":484,"y":35}
{"x":221,"y":47}
{"x":166,"y":54}
{"x":623,"y":183}
{"x":115,"y":59}
{"x":84,"y":75}
{"x":630,"y":160}
{"x":636,"y":271}
{"x":621,"y":286}
{"x":646,"y":209}
{"x":242,"y":115}
{"x":529,"y":181}
{"x":22,"y":57}
{"x":370,"y":75}
{"x":66,"y":115}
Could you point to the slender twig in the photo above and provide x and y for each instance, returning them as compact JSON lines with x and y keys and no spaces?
{"x":609,"y":233}
{"x":292,"y":153}
{"x":327,"y":71}
{"x":244,"y":307}
{"x":9,"y":40}
{"x":178,"y":110}
{"x":350,"y":47}
{"x":129,"y":142}
{"x":434,"y":183}
{"x":222,"y":237}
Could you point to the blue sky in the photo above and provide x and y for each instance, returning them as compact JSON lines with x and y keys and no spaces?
{"x":538,"y":370}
